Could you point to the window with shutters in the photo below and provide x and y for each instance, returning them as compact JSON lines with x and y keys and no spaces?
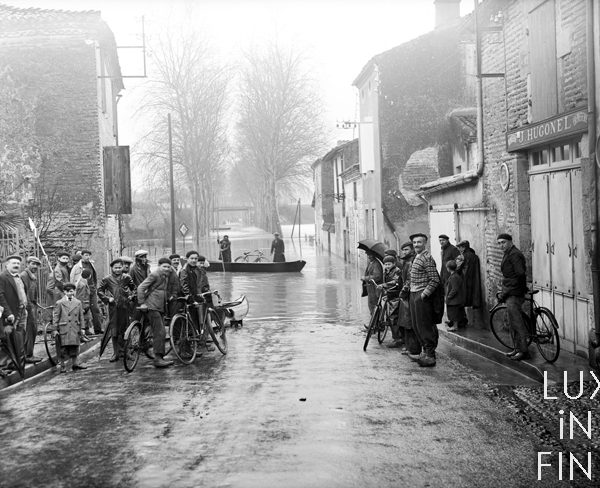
{"x":542,"y":59}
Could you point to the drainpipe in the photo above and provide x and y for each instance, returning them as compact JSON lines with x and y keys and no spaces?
{"x":480,"y":148}
{"x":594,"y":338}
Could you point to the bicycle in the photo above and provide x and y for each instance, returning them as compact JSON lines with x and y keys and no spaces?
{"x":184,"y":332}
{"x":138,"y":337}
{"x":380,"y":318}
{"x":542,"y":327}
{"x":51,"y":336}
{"x":247,"y":256}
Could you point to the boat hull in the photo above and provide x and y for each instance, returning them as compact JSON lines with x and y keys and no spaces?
{"x":287,"y":267}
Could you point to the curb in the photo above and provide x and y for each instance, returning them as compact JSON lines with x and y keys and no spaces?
{"x":34,"y":371}
{"x":493,"y":354}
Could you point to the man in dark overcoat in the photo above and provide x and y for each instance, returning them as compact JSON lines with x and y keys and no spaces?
{"x":278,"y":249}
{"x":448,"y":252}
{"x":13,"y":300}
{"x":471,"y":272}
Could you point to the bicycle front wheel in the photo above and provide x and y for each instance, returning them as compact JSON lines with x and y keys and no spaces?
{"x":52,"y":343}
{"x":500,"y":325}
{"x":217,"y":331}
{"x":382,"y":327}
{"x":183,"y":339}
{"x":372,"y":325}
{"x":546,"y":334}
{"x":133,"y":345}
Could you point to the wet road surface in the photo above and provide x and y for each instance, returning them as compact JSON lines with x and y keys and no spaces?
{"x":295,"y":403}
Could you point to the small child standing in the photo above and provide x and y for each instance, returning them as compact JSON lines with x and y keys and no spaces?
{"x":68,"y":317}
{"x":82,"y":293}
{"x":455,"y":298}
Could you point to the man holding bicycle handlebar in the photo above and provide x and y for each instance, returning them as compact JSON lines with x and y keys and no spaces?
{"x":514,"y":287}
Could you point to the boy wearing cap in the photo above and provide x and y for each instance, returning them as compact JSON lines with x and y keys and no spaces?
{"x":115,"y":290}
{"x":391,"y":276}
{"x":13,"y":301}
{"x":86,"y":263}
{"x":153,"y":295}
{"x":82,"y":293}
{"x":68,"y":317}
{"x":30,"y":279}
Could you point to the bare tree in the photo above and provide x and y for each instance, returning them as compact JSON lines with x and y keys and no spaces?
{"x":279,"y":130}
{"x":192,"y":87}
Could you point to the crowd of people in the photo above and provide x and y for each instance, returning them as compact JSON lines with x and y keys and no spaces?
{"x":421,"y":295}
{"x":75,"y":292}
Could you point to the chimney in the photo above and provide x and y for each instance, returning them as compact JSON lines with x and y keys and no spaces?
{"x":446,"y":12}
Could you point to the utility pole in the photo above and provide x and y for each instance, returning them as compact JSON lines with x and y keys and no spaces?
{"x":171,"y":186}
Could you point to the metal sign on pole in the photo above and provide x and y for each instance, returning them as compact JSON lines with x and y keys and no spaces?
{"x":183,"y":230}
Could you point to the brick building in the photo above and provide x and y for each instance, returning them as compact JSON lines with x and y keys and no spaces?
{"x":536,"y":178}
{"x":65,"y":64}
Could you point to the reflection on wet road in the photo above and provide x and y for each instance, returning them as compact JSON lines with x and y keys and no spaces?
{"x":296,"y":402}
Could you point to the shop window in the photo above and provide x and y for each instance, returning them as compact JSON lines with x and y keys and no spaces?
{"x":559,"y":155}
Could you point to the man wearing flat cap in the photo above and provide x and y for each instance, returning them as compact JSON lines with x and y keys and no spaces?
{"x":30,"y":278}
{"x":424,"y":281}
{"x":514,"y":287}
{"x":13,"y":301}
{"x":86,"y":263}
{"x":140,"y":269}
{"x":115,"y":290}
{"x":448,"y":252}
{"x":61,"y":275}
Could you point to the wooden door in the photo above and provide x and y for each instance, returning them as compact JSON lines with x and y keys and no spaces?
{"x":540,"y":236}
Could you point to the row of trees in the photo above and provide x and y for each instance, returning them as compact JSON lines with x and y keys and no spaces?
{"x":240,"y":135}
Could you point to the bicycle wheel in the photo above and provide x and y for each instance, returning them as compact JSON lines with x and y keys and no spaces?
{"x":133,"y":345}
{"x":217,"y":331}
{"x":383,"y":327}
{"x":546,"y":334}
{"x":372,"y":325}
{"x":240,"y":259}
{"x":183,"y":338}
{"x":500,"y":325}
{"x":52,"y":343}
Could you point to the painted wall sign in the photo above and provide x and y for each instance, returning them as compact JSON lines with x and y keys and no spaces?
{"x":547,"y":130}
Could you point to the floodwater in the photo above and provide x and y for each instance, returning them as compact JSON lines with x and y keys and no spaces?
{"x":295,"y":403}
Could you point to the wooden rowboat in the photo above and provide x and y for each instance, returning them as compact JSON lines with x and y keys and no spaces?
{"x":287,"y":267}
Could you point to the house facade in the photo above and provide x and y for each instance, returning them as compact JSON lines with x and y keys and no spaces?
{"x":64,"y":64}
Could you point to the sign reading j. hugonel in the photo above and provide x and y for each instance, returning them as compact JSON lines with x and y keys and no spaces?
{"x":548,"y":130}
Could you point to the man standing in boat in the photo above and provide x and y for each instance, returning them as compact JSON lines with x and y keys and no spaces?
{"x":278,"y":249}
{"x":225,"y":249}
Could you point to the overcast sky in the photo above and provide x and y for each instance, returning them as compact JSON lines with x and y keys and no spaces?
{"x":339,"y":36}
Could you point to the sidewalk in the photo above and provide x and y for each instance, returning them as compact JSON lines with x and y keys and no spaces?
{"x":483,"y":343}
{"x":39,"y":350}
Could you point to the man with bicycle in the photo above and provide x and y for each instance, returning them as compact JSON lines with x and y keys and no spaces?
{"x":193,"y":281}
{"x":153,"y":296}
{"x":514,"y":287}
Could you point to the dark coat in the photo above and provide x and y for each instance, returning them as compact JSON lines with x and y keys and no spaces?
{"x":471,"y":272}
{"x":391,"y":281}
{"x":403,"y":307}
{"x":117,"y":287}
{"x":448,"y":253}
{"x":514,"y":272}
{"x":455,"y":290}
{"x":193,"y":280}
{"x":278,"y":250}
{"x":225,"y":250}
{"x":154,"y":291}
{"x":68,"y":316}
{"x":62,"y":276}
{"x":139,"y":273}
{"x":9,"y":298}
{"x":31,"y":284}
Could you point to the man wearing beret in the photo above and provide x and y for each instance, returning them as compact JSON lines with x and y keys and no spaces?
{"x":514,"y":287}
{"x":30,"y":278}
{"x":115,"y":290}
{"x":13,"y":301}
{"x":424,"y":280}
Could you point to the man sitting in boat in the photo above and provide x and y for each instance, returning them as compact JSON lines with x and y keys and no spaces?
{"x":278,"y":249}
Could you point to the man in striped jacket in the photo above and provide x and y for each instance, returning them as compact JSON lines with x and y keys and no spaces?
{"x":424,"y":279}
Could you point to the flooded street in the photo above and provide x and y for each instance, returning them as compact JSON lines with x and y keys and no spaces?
{"x":296,"y":402}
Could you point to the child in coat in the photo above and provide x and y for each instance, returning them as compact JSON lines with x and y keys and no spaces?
{"x":83,"y":294}
{"x":68,"y":318}
{"x":455,"y":298}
